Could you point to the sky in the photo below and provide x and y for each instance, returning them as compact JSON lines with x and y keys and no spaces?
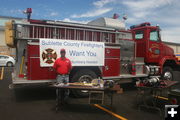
{"x":165,"y":13}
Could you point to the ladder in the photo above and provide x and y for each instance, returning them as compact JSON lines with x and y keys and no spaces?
{"x":36,"y":31}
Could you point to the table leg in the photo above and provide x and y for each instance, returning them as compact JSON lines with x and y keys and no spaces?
{"x":57,"y":99}
{"x":139,"y":98}
{"x":111,"y":99}
{"x":155,"y":95}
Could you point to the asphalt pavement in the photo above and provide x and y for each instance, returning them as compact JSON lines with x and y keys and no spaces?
{"x":39,"y":104}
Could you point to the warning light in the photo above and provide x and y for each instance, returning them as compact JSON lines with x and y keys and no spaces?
{"x":28,"y":11}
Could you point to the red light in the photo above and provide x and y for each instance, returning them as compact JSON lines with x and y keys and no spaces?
{"x":140,"y":25}
{"x":29,"y":10}
{"x":174,"y":101}
{"x":115,"y":16}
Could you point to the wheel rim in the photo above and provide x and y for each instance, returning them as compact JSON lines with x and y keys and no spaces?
{"x":168,"y":76}
{"x":9,"y":64}
{"x":85,"y":79}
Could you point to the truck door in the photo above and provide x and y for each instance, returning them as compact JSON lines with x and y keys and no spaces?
{"x":35,"y":71}
{"x":154,"y":46}
{"x":112,"y":62}
{"x":141,"y":44}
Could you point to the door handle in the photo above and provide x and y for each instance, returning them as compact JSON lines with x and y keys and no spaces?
{"x":107,"y":51}
{"x":106,"y":67}
{"x":150,"y":49}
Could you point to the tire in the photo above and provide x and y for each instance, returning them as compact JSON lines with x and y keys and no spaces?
{"x":85,"y":76}
{"x":167,"y":73}
{"x":9,"y":64}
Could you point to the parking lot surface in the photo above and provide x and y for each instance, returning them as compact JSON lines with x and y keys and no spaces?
{"x":39,"y":104}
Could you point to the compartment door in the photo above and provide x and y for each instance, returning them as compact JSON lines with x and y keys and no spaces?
{"x":35,"y":72}
{"x":111,"y":67}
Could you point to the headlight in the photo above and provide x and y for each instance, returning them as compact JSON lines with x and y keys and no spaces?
{"x":157,"y":70}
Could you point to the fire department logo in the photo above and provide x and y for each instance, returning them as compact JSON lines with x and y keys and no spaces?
{"x":49,"y":56}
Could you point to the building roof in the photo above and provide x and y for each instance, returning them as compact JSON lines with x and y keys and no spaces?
{"x":4,"y":19}
{"x":171,"y":43}
{"x":1,"y":27}
{"x":10,"y":17}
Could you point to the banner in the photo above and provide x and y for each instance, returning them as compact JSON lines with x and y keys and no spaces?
{"x":80,"y":53}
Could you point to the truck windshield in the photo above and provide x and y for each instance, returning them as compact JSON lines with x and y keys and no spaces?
{"x":139,"y":35}
{"x":154,"y":36}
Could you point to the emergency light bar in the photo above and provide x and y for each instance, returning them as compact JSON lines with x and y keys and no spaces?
{"x":140,"y":25}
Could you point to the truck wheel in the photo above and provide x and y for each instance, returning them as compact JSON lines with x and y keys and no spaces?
{"x":83,"y":76}
{"x":167,"y":73}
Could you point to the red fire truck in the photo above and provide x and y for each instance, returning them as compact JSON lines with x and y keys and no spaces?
{"x":134,"y":53}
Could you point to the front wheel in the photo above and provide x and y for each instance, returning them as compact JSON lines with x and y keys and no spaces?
{"x":167,"y":73}
{"x":9,"y":64}
{"x":83,"y":76}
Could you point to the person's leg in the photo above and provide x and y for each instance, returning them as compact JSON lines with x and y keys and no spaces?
{"x":59,"y":79}
{"x":66,"y":79}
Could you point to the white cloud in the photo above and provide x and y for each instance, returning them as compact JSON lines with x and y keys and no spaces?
{"x":141,"y":14}
{"x":146,"y":4}
{"x":132,"y":20}
{"x":16,"y":11}
{"x":171,"y":34}
{"x":50,"y":13}
{"x":97,"y":10}
{"x":54,"y":14}
{"x":74,"y":21}
{"x":145,"y":8}
{"x":101,"y":3}
{"x":92,"y":13}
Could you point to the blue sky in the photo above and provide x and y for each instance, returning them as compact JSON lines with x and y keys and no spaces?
{"x":165,"y":13}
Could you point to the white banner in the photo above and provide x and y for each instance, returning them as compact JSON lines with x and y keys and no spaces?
{"x":81,"y":53}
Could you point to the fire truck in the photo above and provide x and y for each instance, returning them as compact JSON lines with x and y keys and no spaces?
{"x":137,"y":52}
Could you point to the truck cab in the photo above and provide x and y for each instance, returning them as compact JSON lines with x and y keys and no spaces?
{"x":150,"y":46}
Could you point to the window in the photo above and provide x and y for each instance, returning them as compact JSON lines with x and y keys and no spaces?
{"x":139,"y":35}
{"x":95,"y":36}
{"x":105,"y":37}
{"x":154,"y":36}
{"x":124,"y":35}
{"x":3,"y":57}
{"x":6,"y":57}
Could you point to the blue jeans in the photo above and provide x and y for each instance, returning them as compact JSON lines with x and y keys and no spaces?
{"x":62,"y":78}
